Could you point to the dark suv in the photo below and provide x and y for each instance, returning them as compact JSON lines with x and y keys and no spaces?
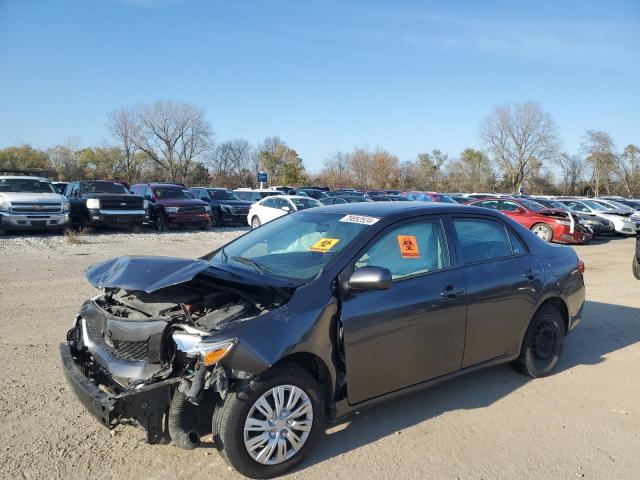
{"x":104,"y":202}
{"x":172,"y":205}
{"x":226,"y":206}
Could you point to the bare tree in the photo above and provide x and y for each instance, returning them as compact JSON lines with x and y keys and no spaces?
{"x":599,"y":149}
{"x":571,"y":171}
{"x":232,"y":162}
{"x":335,"y":172}
{"x":515,"y":134}
{"x":628,"y":170}
{"x":123,"y":126}
{"x":174,"y":135}
{"x":431,"y":165}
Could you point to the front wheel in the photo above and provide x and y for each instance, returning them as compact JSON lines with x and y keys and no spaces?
{"x":542,"y":344}
{"x":255,"y":222}
{"x":161,"y":223}
{"x":543,"y":231}
{"x":636,"y":267}
{"x":268,"y":428}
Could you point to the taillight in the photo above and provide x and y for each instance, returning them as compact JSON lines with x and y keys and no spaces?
{"x":580,"y":266}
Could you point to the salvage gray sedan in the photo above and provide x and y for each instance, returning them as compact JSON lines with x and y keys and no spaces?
{"x":311,"y":316}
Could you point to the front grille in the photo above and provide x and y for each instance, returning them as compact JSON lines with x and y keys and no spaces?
{"x":122,"y":204}
{"x":122,"y":349}
{"x":239,"y":210}
{"x":194,"y":209}
{"x":27,"y":207}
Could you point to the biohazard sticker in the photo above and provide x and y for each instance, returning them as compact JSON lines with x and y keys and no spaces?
{"x":324,"y":245}
{"x":408,"y":246}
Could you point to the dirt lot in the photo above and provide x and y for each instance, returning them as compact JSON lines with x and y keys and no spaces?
{"x":581,"y":422}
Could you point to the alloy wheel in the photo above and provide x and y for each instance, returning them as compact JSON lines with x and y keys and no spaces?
{"x":543,"y":231}
{"x":278,"y":424}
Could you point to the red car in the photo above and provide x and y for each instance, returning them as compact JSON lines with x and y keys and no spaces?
{"x":548,"y":224}
{"x":173,"y":205}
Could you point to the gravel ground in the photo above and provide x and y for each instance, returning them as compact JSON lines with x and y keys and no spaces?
{"x":581,"y":422}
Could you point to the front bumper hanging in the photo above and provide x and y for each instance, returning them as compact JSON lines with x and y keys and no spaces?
{"x":144,"y":406}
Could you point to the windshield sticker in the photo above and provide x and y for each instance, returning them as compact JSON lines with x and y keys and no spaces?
{"x":324,"y":245}
{"x":362,"y":219}
{"x":408,"y":246}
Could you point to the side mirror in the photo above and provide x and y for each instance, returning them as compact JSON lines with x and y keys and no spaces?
{"x":370,"y":278}
{"x":285,"y":209}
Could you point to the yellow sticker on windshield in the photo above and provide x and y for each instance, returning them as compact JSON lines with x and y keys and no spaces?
{"x":324,"y":244}
{"x":408,"y":246}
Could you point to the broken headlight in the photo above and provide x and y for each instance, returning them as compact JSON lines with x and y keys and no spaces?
{"x":209,"y":353}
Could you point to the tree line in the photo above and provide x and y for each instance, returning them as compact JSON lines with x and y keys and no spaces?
{"x":173,"y":141}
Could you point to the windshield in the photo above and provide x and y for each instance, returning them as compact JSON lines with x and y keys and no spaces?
{"x":294,"y":247}
{"x":446,"y":199}
{"x":25,"y":185}
{"x":614,"y":204}
{"x":596,"y":205}
{"x":314,"y":193}
{"x":302,"y":203}
{"x":223,"y":195}
{"x":102,"y":187}
{"x":166,"y":193}
{"x":531,"y":205}
{"x":554,"y":204}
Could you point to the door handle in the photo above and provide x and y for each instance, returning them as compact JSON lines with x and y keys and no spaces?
{"x":451,"y":292}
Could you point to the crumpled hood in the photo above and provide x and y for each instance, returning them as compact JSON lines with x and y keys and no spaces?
{"x":144,"y":273}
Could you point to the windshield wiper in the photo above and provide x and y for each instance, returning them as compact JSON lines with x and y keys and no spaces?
{"x":251,"y":262}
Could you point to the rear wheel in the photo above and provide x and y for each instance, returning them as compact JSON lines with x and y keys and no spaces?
{"x":543,"y":231}
{"x":266,"y":429}
{"x":542,"y":344}
{"x":2,"y":232}
{"x":636,"y":267}
{"x":255,"y":222}
{"x":216,"y":219}
{"x":135,"y":229}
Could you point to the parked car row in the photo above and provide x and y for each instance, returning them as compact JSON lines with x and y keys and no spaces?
{"x":32,"y":202}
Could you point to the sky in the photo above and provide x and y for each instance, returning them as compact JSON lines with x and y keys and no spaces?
{"x":406,"y":76}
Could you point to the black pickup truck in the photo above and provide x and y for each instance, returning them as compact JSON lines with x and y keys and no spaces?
{"x":103,"y":202}
{"x":636,"y":259}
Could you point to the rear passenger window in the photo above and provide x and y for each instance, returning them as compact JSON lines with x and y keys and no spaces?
{"x":517,"y":245}
{"x":410,"y":249}
{"x":482,"y":240}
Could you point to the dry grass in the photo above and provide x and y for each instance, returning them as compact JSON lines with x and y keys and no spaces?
{"x":74,"y":236}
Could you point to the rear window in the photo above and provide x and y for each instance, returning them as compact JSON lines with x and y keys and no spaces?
{"x":482,"y":240}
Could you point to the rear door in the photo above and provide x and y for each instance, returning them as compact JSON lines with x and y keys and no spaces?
{"x":413,"y":331}
{"x":503,"y":282}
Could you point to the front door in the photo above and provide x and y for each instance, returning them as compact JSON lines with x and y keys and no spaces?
{"x":413,"y":331}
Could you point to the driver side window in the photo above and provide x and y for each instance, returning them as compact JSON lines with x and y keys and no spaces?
{"x":410,"y":249}
{"x":510,"y":206}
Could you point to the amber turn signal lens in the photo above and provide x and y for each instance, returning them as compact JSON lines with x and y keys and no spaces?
{"x":210,"y":357}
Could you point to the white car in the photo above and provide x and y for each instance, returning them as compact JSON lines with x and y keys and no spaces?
{"x":621,"y":222}
{"x":31,"y":203}
{"x":276,"y":206}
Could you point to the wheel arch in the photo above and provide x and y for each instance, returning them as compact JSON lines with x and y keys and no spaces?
{"x":318,"y":370}
{"x":560,"y":305}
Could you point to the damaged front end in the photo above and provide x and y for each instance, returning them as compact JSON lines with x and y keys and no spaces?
{"x":150,"y":347}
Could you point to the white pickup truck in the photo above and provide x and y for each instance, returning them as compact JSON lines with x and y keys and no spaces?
{"x":31,"y":203}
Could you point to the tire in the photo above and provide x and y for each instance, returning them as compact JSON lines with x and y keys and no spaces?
{"x":228,"y":424}
{"x":161,"y":223}
{"x":635,"y":266}
{"x":542,"y":344}
{"x":543,"y":231}
{"x":255,"y":222}
{"x":216,"y":219}
{"x":136,"y":229}
{"x":2,"y":232}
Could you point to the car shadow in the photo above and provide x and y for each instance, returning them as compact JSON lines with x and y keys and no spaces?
{"x":605,"y":328}
{"x":602,"y":240}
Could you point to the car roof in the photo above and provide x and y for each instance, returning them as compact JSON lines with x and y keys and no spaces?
{"x":387,"y":209}
{"x":23,"y":177}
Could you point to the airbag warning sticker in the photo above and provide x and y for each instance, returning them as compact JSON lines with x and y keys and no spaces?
{"x":324,"y":244}
{"x":408,"y":246}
